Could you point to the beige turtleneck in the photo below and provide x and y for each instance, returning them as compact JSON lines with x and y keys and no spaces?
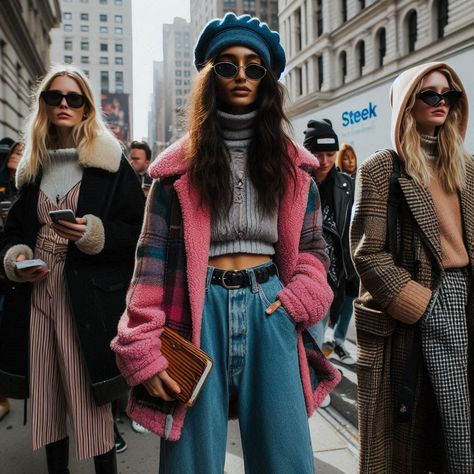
{"x":448,"y":210}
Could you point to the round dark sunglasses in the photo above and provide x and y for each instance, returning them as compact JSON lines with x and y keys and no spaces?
{"x":227,"y":70}
{"x":432,"y":98}
{"x":54,"y":98}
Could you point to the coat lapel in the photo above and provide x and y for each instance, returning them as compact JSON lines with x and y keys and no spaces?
{"x":422,"y":208}
{"x":197,"y":238}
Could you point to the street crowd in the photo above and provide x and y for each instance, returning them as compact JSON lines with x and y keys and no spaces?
{"x":257,"y":250}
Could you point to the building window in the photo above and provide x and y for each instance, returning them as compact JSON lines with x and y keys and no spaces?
{"x":362,"y":4}
{"x":442,"y":17}
{"x":68,"y":45}
{"x":85,"y":45}
{"x":86,"y":72}
{"x":67,"y":16}
{"x":103,"y":2}
{"x":320,"y":72}
{"x":412,"y":30}
{"x":84,"y":28}
{"x":118,"y":30}
{"x":179,"y":102}
{"x":67,"y":27}
{"x":344,"y":10}
{"x":178,"y":73}
{"x":119,"y":3}
{"x":103,"y":60}
{"x":360,"y":48}
{"x":319,"y":17}
{"x":178,"y":82}
{"x":382,"y":43}
{"x":187,"y":73}
{"x":118,"y":60}
{"x":104,"y":81}
{"x":84,"y":16}
{"x":343,"y":66}
{"x":67,"y":59}
{"x":104,"y":47}
{"x":179,"y":92}
{"x":118,"y":47}
{"x":299,"y":39}
{"x":85,"y":59}
{"x":118,"y":76}
{"x":118,"y":19}
{"x":104,"y":30}
{"x":103,"y":17}
{"x":177,"y":63}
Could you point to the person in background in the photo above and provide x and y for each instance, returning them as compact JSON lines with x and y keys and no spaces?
{"x":59,"y":318}
{"x":337,"y":197}
{"x":246,"y":278}
{"x":140,"y":159}
{"x":346,"y":160}
{"x":415,"y":337}
{"x":10,"y":152}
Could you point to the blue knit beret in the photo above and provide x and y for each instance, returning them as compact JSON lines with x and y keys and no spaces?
{"x":243,"y":30}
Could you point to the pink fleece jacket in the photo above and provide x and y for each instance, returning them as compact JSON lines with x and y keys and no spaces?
{"x":306,"y":295}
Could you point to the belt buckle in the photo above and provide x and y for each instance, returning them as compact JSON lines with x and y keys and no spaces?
{"x":225,"y":285}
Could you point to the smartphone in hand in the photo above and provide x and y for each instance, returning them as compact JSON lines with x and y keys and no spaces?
{"x":62,"y":215}
{"x":36,"y":262}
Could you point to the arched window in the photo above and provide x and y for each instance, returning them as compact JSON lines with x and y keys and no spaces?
{"x":344,"y":10}
{"x":382,"y":45}
{"x":442,"y":17}
{"x":412,"y":30}
{"x":360,"y":48}
{"x":343,"y":66}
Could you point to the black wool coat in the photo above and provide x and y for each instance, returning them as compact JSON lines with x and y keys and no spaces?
{"x":97,"y":284}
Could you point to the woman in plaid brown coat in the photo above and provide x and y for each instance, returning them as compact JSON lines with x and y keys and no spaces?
{"x":419,"y":300}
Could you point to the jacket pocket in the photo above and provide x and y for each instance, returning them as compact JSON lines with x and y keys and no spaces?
{"x":368,"y":318}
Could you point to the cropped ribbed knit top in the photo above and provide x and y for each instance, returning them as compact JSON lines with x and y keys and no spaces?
{"x":448,"y":210}
{"x":246,"y":229}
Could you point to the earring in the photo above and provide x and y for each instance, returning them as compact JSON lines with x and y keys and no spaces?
{"x":85,"y":115}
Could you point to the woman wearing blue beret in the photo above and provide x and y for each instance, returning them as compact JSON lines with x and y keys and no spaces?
{"x":243,"y":279}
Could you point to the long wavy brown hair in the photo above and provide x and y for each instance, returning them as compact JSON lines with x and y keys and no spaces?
{"x":270,"y":167}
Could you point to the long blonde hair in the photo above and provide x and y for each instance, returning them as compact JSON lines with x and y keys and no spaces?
{"x":40,"y":134}
{"x":452,"y":155}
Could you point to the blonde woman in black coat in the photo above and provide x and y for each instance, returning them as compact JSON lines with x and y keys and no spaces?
{"x":65,"y":314}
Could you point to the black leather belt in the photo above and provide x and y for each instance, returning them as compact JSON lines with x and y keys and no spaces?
{"x":234,"y":279}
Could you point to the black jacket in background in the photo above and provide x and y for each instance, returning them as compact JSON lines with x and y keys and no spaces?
{"x":337,"y":190}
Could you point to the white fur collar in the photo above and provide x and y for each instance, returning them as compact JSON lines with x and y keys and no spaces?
{"x":106,"y":155}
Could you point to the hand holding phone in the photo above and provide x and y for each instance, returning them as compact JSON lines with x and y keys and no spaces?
{"x":62,"y":215}
{"x":32,"y":270}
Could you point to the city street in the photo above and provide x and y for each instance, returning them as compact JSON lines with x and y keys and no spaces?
{"x":332,"y":452}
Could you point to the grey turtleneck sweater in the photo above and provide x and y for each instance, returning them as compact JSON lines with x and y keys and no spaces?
{"x":245,"y":229}
{"x":61,"y":174}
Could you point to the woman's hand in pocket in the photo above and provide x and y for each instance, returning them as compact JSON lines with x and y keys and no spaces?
{"x":156,"y":386}
{"x":273,"y":307}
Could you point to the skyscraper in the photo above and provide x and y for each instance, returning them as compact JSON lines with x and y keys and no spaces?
{"x":96,"y":36}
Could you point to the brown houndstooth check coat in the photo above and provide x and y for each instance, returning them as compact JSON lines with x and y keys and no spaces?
{"x":388,"y":446}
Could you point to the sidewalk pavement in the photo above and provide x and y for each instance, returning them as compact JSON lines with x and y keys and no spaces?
{"x":332,"y":452}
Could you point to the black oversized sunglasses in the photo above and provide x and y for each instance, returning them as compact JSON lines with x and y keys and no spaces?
{"x":432,"y":98}
{"x":228,"y":70}
{"x":54,"y":98}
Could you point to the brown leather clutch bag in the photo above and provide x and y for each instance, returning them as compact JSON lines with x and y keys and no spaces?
{"x":189,"y":366}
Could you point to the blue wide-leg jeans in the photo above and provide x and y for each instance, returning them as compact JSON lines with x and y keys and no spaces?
{"x":256,"y":361}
